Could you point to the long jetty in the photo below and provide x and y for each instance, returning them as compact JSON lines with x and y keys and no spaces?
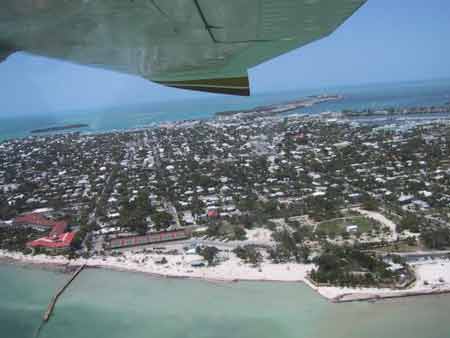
{"x":55,"y":298}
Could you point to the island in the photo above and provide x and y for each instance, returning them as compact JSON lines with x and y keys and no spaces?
{"x":355,"y":211}
{"x":279,"y":108}
{"x":59,"y":128}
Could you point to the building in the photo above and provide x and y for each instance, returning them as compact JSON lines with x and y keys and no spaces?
{"x":405,"y":199}
{"x":352,"y":228}
{"x":40,"y":222}
{"x":213,"y":213}
{"x":151,"y":238}
{"x":56,"y":243}
{"x":58,"y":239}
{"x":34,"y":220}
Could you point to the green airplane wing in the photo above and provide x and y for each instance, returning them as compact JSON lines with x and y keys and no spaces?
{"x":205,"y":45}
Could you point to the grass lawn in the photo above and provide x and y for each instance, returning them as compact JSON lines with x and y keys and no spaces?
{"x":338,"y":226}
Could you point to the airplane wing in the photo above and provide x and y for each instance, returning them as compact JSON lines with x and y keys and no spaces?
{"x":205,"y":45}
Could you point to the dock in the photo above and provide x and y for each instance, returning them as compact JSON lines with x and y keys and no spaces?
{"x":55,"y":298}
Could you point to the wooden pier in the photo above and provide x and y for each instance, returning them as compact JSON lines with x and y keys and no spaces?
{"x":52,"y":304}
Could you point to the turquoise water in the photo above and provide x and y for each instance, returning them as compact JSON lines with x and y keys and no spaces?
{"x":113,"y":304}
{"x":403,"y":94}
{"x":23,"y":295}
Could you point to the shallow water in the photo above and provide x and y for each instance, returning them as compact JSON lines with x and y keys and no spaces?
{"x":103,"y":303}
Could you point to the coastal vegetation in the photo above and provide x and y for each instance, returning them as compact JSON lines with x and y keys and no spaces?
{"x":411,"y":222}
{"x":347,"y":266}
{"x":436,"y":238}
{"x":226,"y":229}
{"x":289,"y":247}
{"x":209,"y":254}
{"x":249,"y":254}
{"x":16,"y":238}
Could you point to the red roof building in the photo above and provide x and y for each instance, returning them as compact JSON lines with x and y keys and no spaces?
{"x":62,"y":241}
{"x":58,"y":238}
{"x":59,"y":228}
{"x":213,"y":213}
{"x":33,"y":219}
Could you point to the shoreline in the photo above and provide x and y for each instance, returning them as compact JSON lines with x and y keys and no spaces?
{"x":361,"y":298}
{"x":236,"y":272}
{"x":60,"y":264}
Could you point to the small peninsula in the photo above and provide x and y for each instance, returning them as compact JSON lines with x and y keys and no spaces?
{"x":59,"y":128}
{"x":276,"y":109}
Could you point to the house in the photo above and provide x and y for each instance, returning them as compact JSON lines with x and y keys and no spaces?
{"x":4,"y":224}
{"x":213,"y":213}
{"x":342,"y":145}
{"x":188,"y":218}
{"x":352,"y":228}
{"x":422,"y":205}
{"x":405,"y":199}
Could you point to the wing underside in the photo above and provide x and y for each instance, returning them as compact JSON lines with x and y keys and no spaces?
{"x":203,"y":45}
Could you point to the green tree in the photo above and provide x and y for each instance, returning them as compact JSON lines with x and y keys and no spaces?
{"x":248,"y":254}
{"x":209,"y":253}
{"x":162,"y":219}
{"x":369,"y":203}
{"x":436,"y":238}
{"x":410,"y":222}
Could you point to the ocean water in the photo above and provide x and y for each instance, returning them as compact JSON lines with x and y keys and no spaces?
{"x":404,"y":94}
{"x":111,"y":304}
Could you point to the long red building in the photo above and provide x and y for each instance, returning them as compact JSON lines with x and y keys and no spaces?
{"x":157,"y":237}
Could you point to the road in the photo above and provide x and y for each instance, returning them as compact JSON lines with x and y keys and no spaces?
{"x":380,"y":218}
{"x":173,"y":211}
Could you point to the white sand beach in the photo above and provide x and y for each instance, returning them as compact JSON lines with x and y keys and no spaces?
{"x":433,"y":276}
{"x":231,"y":269}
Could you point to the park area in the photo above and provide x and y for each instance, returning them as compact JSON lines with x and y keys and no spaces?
{"x":359,"y":224}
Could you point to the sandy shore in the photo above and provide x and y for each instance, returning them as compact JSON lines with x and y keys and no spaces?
{"x":432,"y":276}
{"x":177,"y":266}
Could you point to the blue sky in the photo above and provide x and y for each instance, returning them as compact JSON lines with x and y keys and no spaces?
{"x":386,"y":41}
